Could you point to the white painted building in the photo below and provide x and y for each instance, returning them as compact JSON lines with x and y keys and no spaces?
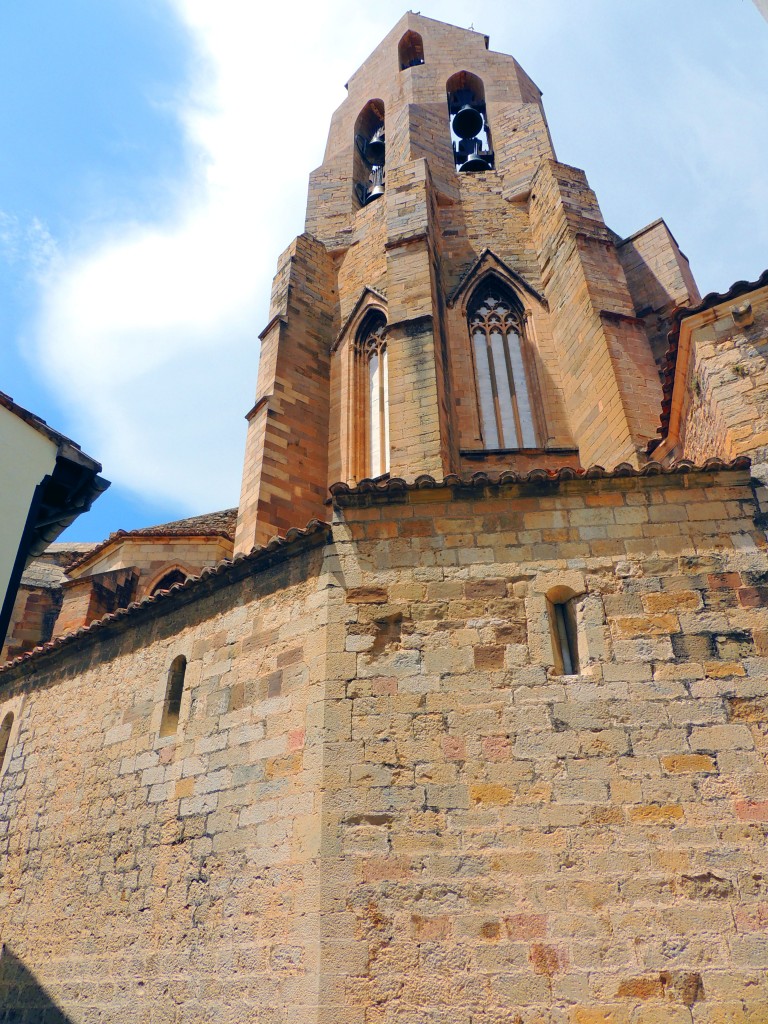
{"x":46,"y":481}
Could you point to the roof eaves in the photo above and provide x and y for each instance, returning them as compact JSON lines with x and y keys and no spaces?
{"x":396,"y":486}
{"x":316,"y":532}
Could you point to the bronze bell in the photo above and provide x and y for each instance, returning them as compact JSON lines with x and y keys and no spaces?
{"x":476,"y":163}
{"x":468,"y":122}
{"x":376,"y":186}
{"x":374,"y":151}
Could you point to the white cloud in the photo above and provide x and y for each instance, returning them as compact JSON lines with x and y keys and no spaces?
{"x":149,"y":332}
{"x":29,"y":243}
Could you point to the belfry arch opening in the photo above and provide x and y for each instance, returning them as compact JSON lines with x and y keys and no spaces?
{"x":470,"y":131}
{"x":503,"y":375}
{"x":370,"y":153}
{"x":410,"y":50}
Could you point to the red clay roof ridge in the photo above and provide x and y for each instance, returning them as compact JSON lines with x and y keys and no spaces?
{"x":292,"y":536}
{"x":482,"y":479}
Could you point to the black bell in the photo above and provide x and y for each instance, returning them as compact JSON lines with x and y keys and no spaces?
{"x":468,"y":122}
{"x":374,"y":151}
{"x":476,"y":163}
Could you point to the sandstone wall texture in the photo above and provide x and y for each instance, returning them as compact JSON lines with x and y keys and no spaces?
{"x":590,"y":308}
{"x":150,"y":878}
{"x":383,"y":803}
{"x":722,"y":407}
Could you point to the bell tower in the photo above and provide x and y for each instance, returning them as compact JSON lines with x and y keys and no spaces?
{"x":456,"y":302}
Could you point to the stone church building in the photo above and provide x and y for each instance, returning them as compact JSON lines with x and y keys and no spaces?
{"x":484,"y":742}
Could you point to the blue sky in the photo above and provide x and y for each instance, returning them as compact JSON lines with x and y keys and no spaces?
{"x":140,"y":222}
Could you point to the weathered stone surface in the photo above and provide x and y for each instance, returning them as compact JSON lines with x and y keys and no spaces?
{"x":394,"y":814}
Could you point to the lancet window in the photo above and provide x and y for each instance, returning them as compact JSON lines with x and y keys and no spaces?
{"x":173,"y":693}
{"x":503,"y":392}
{"x":371,"y":349}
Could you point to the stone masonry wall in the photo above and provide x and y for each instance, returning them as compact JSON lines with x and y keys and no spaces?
{"x":723,"y":409}
{"x":383,"y":804}
{"x":509,"y":844}
{"x":169,"y":879}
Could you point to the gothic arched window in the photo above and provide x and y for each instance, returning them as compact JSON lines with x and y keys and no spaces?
{"x":503,"y":393}
{"x":371,"y":351}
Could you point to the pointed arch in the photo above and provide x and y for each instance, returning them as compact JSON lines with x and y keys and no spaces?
{"x":507,"y":397}
{"x":489,"y":264}
{"x":352,"y":391}
{"x":169,"y":579}
{"x":372,"y":386}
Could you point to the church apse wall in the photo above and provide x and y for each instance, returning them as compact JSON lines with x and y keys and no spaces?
{"x":488,"y":746}
{"x":157,"y":846}
{"x":515,"y":839}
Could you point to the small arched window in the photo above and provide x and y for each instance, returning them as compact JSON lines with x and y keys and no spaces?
{"x":410,"y":50}
{"x":5,"y":736}
{"x":173,"y":694}
{"x":503,"y":393}
{"x":169,"y":580}
{"x":373,"y":393}
{"x":369,"y":152}
{"x":562,"y":605}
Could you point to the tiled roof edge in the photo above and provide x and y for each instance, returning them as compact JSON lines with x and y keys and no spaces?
{"x":313,"y":533}
{"x":737,"y":289}
{"x":120,"y":535}
{"x":397,"y":485}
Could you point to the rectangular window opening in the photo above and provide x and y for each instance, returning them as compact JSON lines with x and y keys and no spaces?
{"x":565,"y":637}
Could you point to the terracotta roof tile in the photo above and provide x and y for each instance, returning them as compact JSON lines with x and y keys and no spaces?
{"x":314,"y":531}
{"x":396,"y":485}
{"x":212,"y":524}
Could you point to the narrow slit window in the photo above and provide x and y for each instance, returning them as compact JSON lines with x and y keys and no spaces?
{"x":173,"y":694}
{"x":565,"y":646}
{"x":502,"y":382}
{"x":5,"y":736}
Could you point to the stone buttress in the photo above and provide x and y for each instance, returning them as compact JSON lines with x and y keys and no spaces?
{"x":414,"y":239}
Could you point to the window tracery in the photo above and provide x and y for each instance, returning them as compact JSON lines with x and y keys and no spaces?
{"x":371,"y":348}
{"x":496,"y":328}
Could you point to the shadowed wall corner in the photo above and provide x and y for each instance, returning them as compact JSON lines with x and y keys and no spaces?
{"x":20,"y":990}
